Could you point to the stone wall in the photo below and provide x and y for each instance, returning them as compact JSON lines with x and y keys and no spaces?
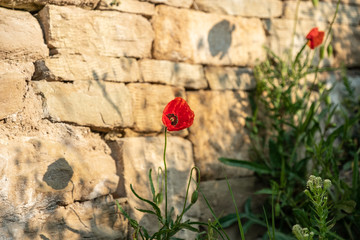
{"x":83,"y":84}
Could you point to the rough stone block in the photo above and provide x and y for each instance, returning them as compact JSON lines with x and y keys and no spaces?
{"x":42,"y":170}
{"x":36,"y":5}
{"x":136,"y":155}
{"x":87,"y":67}
{"x":346,"y":42}
{"x":324,"y":12}
{"x":98,"y":104}
{"x":130,"y":6}
{"x":21,"y":38}
{"x":219,"y":131}
{"x":174,"y":3}
{"x":219,"y":197}
{"x":245,"y":8}
{"x":13,"y":79}
{"x":106,"y":33}
{"x":197,"y":37}
{"x":171,"y":73}
{"x":149,"y":101}
{"x":230,"y":78}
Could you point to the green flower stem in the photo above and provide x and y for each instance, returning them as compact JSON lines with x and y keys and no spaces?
{"x":166,"y":200}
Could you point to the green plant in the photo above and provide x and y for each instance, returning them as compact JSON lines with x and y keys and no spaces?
{"x":295,"y":133}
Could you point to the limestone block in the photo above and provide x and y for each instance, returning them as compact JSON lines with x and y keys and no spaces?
{"x":21,"y":37}
{"x":219,"y":131}
{"x":87,"y":67}
{"x":171,"y":73}
{"x":136,"y":155}
{"x":13,"y":79}
{"x":130,"y":6}
{"x":245,"y":8}
{"x":281,"y":31}
{"x":197,"y":37}
{"x":40,"y":173}
{"x":98,"y":104}
{"x":346,"y":42}
{"x":36,"y":5}
{"x":324,"y":12}
{"x":230,"y":78}
{"x":96,"y":219}
{"x":149,"y":101}
{"x":218,"y":194}
{"x":175,"y":3}
{"x":74,"y":30}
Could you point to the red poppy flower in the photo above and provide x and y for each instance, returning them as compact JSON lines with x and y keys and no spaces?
{"x":315,"y":38}
{"x":177,"y":115}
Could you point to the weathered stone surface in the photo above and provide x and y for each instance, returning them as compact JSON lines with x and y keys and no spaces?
{"x":98,"y":104}
{"x":131,"y":6}
{"x":35,"y":5}
{"x":149,"y":102}
{"x":175,"y":3}
{"x":13,"y":79}
{"x":281,"y":32}
{"x":242,"y":188}
{"x":254,"y":8}
{"x":230,"y":78}
{"x":171,"y":73}
{"x":346,"y":43}
{"x":325,"y":11}
{"x":87,"y":67}
{"x":136,"y":155}
{"x":21,"y":37}
{"x":197,"y":37}
{"x":96,"y":219}
{"x":106,"y":33}
{"x":219,"y":131}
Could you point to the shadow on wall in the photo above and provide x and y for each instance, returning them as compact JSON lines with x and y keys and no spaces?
{"x":40,"y":204}
{"x":219,"y":38}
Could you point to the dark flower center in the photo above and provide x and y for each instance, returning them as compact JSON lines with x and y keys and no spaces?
{"x":173,"y":118}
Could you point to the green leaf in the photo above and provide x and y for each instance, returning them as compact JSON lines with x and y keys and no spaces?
{"x":152,"y":186}
{"x":256,"y":167}
{"x":355,"y":177}
{"x":275,"y":157}
{"x":228,"y":220}
{"x":265,"y":191}
{"x":347,"y":206}
{"x":329,"y":50}
{"x":156,"y":208}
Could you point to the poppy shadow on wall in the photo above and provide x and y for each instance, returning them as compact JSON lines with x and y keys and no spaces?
{"x":58,"y":174}
{"x":220,"y":37}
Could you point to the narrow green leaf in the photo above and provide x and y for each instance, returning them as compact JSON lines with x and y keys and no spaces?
{"x":152,"y":185}
{"x":355,"y":177}
{"x":156,"y":208}
{"x":256,"y":167}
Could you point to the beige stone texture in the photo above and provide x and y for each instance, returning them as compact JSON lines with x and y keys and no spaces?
{"x":135,"y":156}
{"x":149,"y":101}
{"x":13,"y":79}
{"x":324,"y":12}
{"x":245,"y":8}
{"x":173,"y":73}
{"x":87,"y":67}
{"x":21,"y":37}
{"x":242,"y":188}
{"x":98,"y":104}
{"x":174,"y":3}
{"x":74,"y":30}
{"x":346,"y":44}
{"x":281,"y":32}
{"x":130,"y":6}
{"x":219,"y":131}
{"x":230,"y":78}
{"x":36,"y":5}
{"x":198,"y":37}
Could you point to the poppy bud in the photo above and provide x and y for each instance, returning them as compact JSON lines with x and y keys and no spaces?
{"x":329,"y":50}
{"x":194,"y":196}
